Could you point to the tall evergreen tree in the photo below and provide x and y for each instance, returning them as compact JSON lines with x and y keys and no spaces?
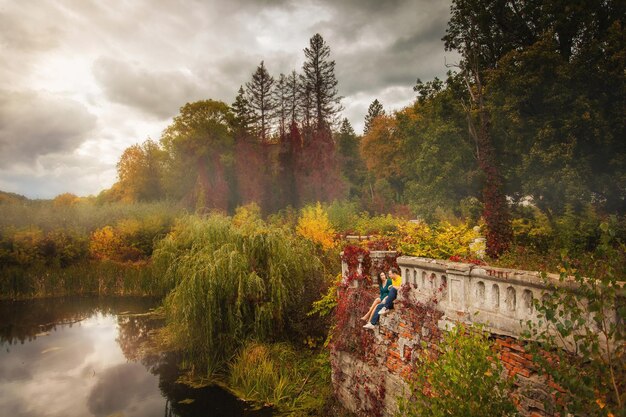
{"x":375,"y":109}
{"x":281,"y":98}
{"x":305,"y":104}
{"x":244,"y":116}
{"x":293,"y":88}
{"x":259,"y":95}
{"x":352,"y":166}
{"x":319,"y":79}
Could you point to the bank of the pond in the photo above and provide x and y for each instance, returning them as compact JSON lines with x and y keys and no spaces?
{"x":87,"y":278}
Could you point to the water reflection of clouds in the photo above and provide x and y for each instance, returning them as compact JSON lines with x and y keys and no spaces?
{"x":126,"y":387}
{"x":54,"y":375}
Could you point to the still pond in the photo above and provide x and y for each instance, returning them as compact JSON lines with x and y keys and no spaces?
{"x":76,"y":357}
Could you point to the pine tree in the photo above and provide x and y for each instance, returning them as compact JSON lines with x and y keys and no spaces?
{"x":375,"y":109}
{"x":319,"y":80}
{"x":305,"y":103}
{"x":281,"y":98}
{"x":259,"y":95}
{"x":293,"y":87}
{"x":350,"y":161}
{"x":244,"y":117}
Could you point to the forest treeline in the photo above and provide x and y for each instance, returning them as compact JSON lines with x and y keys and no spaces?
{"x":525,"y":131}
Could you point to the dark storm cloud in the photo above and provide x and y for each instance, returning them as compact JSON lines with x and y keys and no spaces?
{"x":34,"y":124}
{"x":159,"y":93}
{"x":388,"y":44}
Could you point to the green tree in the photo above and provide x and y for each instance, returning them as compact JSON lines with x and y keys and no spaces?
{"x":564,"y":124}
{"x":199,"y":147}
{"x":439,"y":161}
{"x":350,"y":161}
{"x":281,"y":98}
{"x":464,"y":32}
{"x":374,"y":110}
{"x":320,"y":82}
{"x":243,"y":115}
{"x":262,"y":102}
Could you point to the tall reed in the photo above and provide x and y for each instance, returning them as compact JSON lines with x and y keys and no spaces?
{"x":84,"y":278}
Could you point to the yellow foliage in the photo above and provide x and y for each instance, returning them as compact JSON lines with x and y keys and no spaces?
{"x":440,"y":242}
{"x":314,"y":225}
{"x":105,"y":243}
{"x":248,"y":214}
{"x":65,"y":200}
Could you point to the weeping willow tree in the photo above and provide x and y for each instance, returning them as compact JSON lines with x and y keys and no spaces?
{"x":233,"y":280}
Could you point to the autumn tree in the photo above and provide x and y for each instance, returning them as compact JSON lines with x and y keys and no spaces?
{"x":382,"y":150}
{"x":65,"y":200}
{"x":262,"y":102}
{"x":140,"y":172}
{"x":288,"y":161}
{"x":374,"y":110}
{"x":290,"y":145}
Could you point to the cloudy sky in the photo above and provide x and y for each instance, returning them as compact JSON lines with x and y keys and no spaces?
{"x":81,"y":80}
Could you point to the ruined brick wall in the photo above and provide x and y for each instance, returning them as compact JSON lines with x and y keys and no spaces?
{"x":369,"y":377}
{"x":371,"y":367}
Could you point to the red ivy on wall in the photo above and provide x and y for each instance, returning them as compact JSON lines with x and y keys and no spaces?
{"x":353,"y":256}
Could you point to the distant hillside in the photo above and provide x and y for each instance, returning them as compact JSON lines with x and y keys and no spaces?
{"x":11,"y":198}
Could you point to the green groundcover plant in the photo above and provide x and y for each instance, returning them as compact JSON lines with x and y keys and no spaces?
{"x":463,"y":378}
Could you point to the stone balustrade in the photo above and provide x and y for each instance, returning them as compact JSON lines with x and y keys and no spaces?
{"x":499,"y":298}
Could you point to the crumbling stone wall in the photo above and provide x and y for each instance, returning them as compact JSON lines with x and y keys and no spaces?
{"x":371,"y":367}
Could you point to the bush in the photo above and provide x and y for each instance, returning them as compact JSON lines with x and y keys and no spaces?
{"x":463,"y":379}
{"x":381,"y":224}
{"x":314,"y":225}
{"x":440,"y":242}
{"x":343,"y":215}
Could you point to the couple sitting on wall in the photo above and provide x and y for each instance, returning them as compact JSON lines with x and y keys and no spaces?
{"x":388,"y":286}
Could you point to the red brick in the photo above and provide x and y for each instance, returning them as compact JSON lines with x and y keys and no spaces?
{"x":395,"y":354}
